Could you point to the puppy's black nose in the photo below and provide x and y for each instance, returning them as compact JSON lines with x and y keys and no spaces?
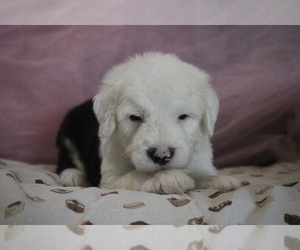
{"x":160,"y":156}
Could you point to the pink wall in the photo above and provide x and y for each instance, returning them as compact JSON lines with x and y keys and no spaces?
{"x":45,"y":70}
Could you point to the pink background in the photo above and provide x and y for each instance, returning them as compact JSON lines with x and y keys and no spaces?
{"x":128,"y":12}
{"x":45,"y":70}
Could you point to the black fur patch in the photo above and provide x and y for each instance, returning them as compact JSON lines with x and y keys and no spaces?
{"x":80,"y":127}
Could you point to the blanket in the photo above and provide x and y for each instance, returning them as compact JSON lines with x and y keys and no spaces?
{"x":32,"y":194}
{"x":139,"y":237}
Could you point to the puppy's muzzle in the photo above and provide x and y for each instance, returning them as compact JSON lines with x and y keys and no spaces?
{"x":160,"y":156}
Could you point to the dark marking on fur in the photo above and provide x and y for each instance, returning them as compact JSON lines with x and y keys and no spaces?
{"x":80,"y":127}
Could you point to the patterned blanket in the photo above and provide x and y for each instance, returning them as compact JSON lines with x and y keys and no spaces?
{"x":32,"y":194}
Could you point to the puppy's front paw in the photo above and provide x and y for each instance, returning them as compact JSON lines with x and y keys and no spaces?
{"x":172,"y":182}
{"x":224,"y":182}
{"x":72,"y":177}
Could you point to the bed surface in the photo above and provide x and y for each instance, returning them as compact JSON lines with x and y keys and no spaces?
{"x":150,"y":237}
{"x":32,"y":194}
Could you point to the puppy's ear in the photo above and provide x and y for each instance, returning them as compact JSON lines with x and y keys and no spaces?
{"x":104,"y":106}
{"x":211,"y":112}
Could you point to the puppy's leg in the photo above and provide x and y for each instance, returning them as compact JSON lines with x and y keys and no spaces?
{"x":133,"y":180}
{"x":221,"y":182}
{"x":164,"y":182}
{"x":72,"y":177}
{"x":224,"y":182}
{"x":172,"y":181}
{"x":69,"y":166}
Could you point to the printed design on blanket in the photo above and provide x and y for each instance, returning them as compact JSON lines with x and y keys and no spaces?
{"x":87,"y":247}
{"x":14,"y":176}
{"x":193,"y":208}
{"x":264,"y":201}
{"x":35,"y":198}
{"x":39,"y":181}
{"x":197,"y":221}
{"x":197,"y":245}
{"x":291,"y":243}
{"x":292,"y":219}
{"x":112,"y":192}
{"x":61,"y":191}
{"x":216,"y":194}
{"x":18,"y":206}
{"x":77,"y":229}
{"x":290,"y":184}
{"x":265,"y":189}
{"x":139,"y":222}
{"x":178,"y":202}
{"x":13,"y":231}
{"x":219,"y":207}
{"x":87,"y":222}
{"x":245,"y":183}
{"x":133,"y":205}
{"x":217,"y":229}
{"x":14,"y":208}
{"x":75,"y":205}
{"x":139,"y":247}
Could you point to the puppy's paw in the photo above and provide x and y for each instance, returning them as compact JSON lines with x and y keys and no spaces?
{"x":224,"y":182}
{"x":72,"y":177}
{"x":172,"y":182}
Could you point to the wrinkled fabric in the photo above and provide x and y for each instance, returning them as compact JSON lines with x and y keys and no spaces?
{"x":45,"y":70}
{"x":33,"y":195}
{"x":150,"y":237}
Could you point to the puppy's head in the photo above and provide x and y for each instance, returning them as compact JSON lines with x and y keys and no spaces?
{"x":157,"y":108}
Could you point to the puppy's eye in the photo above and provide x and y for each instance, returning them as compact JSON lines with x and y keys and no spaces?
{"x":135,"y":118}
{"x":183,"y":117}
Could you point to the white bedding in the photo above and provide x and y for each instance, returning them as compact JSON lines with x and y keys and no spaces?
{"x":32,"y":194}
{"x":150,"y":237}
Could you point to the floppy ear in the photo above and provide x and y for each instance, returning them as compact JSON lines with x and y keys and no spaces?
{"x":211,"y":112}
{"x":104,"y":106}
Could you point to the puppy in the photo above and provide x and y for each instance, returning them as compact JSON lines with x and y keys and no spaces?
{"x":156,"y":115}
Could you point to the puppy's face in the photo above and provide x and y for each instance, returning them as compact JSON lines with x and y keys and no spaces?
{"x":157,"y":127}
{"x":157,"y":108}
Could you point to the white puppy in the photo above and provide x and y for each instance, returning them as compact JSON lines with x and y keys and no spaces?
{"x":157,"y":114}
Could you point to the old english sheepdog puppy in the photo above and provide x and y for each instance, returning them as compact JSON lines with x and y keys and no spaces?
{"x":156,"y":115}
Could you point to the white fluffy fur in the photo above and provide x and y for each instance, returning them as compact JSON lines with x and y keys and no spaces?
{"x":158,"y":88}
{"x":72,"y":177}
